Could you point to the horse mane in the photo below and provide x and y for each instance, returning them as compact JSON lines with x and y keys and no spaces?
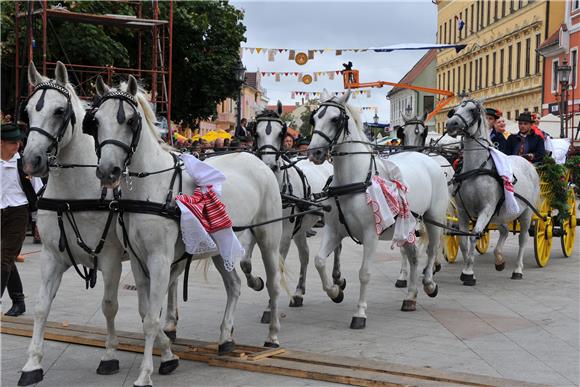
{"x":149,"y":115}
{"x":483,"y":130}
{"x":268,"y":113}
{"x":74,"y":98}
{"x":354,"y":114}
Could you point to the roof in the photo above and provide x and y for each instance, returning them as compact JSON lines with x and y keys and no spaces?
{"x":252,"y":79}
{"x":285,"y":108}
{"x":419,"y":67}
{"x":553,"y":39}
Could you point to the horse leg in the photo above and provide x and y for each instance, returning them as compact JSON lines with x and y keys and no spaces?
{"x":303,"y":254}
{"x":269,"y":246}
{"x":402,"y":280}
{"x":52,"y":272}
{"x":254,"y":282}
{"x":336,"y":274}
{"x":171,"y":314}
{"x":525,"y":222}
{"x":429,"y":285}
{"x":410,"y":302}
{"x":498,"y":251}
{"x":330,"y":241}
{"x":360,"y":317}
{"x":232,"y":284}
{"x":468,"y":275}
{"x":110,"y":305}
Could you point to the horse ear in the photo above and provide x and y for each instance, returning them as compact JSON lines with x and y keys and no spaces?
{"x":279,"y":108}
{"x":101,"y":86}
{"x":132,"y":86}
{"x":34,"y":77}
{"x":324,"y":96}
{"x":60,"y":73}
{"x":345,"y":97}
{"x":425,"y":114}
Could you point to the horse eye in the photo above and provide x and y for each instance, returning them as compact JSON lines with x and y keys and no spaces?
{"x":59,"y":111}
{"x":450,"y":113}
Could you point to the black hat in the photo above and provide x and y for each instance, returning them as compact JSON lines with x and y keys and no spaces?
{"x":525,"y":117}
{"x":303,"y":141}
{"x":493,"y":112}
{"x":11,"y":132}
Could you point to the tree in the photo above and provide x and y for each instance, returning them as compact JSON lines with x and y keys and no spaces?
{"x":306,"y":127}
{"x":288,"y":119}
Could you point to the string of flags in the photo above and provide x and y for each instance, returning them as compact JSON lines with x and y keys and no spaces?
{"x":308,"y":94}
{"x":305,"y":78}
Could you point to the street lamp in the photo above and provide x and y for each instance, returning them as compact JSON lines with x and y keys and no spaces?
{"x":376,"y":118}
{"x":240,"y":76}
{"x":564,"y":77}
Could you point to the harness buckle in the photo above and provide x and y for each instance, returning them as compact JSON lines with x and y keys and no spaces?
{"x":114,"y":205}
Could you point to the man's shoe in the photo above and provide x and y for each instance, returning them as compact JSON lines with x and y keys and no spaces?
{"x":17,"y":309}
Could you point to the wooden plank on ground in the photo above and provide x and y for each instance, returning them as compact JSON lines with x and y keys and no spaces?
{"x":278,"y":361}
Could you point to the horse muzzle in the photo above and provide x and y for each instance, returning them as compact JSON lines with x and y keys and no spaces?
{"x":454,"y":126}
{"x":35,"y":165}
{"x":110,"y":176}
{"x":317,"y":156}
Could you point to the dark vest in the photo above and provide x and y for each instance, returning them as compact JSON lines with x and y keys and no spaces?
{"x":27,"y":187}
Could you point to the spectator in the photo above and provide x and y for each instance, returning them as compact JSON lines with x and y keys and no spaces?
{"x":526,"y":143}
{"x":288,"y":142}
{"x":249,"y":143}
{"x":219,"y":145}
{"x":18,"y":196}
{"x":303,"y":145}
{"x":500,"y":127}
{"x":497,"y":138}
{"x":242,"y":130}
{"x":235,"y":144}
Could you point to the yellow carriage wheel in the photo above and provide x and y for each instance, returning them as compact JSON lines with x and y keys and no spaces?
{"x":482,"y":243}
{"x":569,"y":227}
{"x":543,"y":236}
{"x":451,"y":248}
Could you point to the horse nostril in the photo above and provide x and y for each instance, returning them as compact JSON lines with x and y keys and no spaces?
{"x":99,"y":173}
{"x":36,"y":162}
{"x":115,"y":173}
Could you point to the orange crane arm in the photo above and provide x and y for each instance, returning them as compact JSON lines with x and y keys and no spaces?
{"x":350,"y":78}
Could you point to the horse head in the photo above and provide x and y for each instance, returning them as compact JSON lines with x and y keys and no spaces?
{"x":468,"y":117}
{"x":269,"y":133}
{"x":329,"y":122}
{"x":414,"y":131}
{"x":115,"y":122}
{"x":49,"y":113}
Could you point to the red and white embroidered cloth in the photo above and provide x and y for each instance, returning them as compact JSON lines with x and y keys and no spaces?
{"x":504,"y":169}
{"x":207,"y":208}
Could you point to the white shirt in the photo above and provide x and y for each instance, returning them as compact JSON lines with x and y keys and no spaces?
{"x":12,"y":194}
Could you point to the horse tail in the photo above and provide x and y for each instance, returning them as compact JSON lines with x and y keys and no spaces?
{"x":204,"y":264}
{"x":283,"y":275}
{"x":423,"y":239}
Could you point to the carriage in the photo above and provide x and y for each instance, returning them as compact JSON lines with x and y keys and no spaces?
{"x":545,"y":226}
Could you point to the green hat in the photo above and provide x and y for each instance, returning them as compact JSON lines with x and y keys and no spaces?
{"x":525,"y":117}
{"x":496,"y":113}
{"x":11,"y":132}
{"x":304,"y":141}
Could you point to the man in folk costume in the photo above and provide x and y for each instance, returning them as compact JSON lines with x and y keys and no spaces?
{"x":526,"y":143}
{"x":497,"y":138}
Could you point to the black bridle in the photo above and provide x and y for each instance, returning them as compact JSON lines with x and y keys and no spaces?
{"x":91,"y":124}
{"x":269,"y":118}
{"x":341,"y":122}
{"x":401,"y":130}
{"x":68,"y":116}
{"x":475,"y":116}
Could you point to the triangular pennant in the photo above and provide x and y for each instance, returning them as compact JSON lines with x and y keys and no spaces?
{"x":291,"y":54}
{"x":293,"y":95}
{"x":286,"y":74}
{"x":280,"y":50}
{"x":258,"y":49}
{"x":310,"y":54}
{"x":321,"y":51}
{"x":271,"y":55}
{"x":263,"y":74}
{"x":251,"y":50}
{"x":337,"y":72}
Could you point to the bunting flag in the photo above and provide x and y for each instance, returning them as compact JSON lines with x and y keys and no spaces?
{"x":308,"y":94}
{"x":315,"y":74}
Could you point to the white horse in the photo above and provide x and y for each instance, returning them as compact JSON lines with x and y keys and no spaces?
{"x":299,"y":179}
{"x":55,"y":115}
{"x":339,"y":127}
{"x":468,"y":118}
{"x":250,"y":194}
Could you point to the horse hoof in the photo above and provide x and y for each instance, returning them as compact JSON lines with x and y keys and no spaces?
{"x":358,"y":323}
{"x":296,"y":302}
{"x":468,"y":279}
{"x":437,"y":268}
{"x":401,"y":284}
{"x":434,"y":293}
{"x":30,"y":377}
{"x":409,"y":306}
{"x":226,"y":347}
{"x":341,"y":283}
{"x":140,"y":385}
{"x":517,"y":276}
{"x":108,"y":367}
{"x":266,"y":317}
{"x":338,"y":299}
{"x":260,"y":287}
{"x":167,"y":367}
{"x":172,"y":335}
{"x":269,"y":344}
{"x":500,"y":267}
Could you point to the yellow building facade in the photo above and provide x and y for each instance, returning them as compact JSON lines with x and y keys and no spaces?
{"x":500,"y":63}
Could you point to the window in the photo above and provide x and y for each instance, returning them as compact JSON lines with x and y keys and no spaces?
{"x":440,"y":33}
{"x":509,"y":74}
{"x":439,"y":85}
{"x":450,"y":28}
{"x":520,"y":4}
{"x":503,"y":8}
{"x":443,"y":83}
{"x":495,"y":15}
{"x":477,"y":21}
{"x":501,"y":62}
{"x":576,"y":4}
{"x":518,"y":59}
{"x":448,"y":79}
{"x":517,"y":114}
{"x":528,"y":46}
{"x":481,"y":16}
{"x":471,"y":19}
{"x":464,"y":75}
{"x":554,"y":75}
{"x":488,"y":13}
{"x":487,"y":71}
{"x":454,"y":28}
{"x":465,"y":27}
{"x":509,"y":115}
{"x":445,"y":32}
{"x":538,"y":57}
{"x":457,"y":26}
{"x":493,"y":68}
{"x":453,"y":80}
{"x":512,"y":9}
{"x":476,"y":87}
{"x":574,"y":64}
{"x":428,"y":103}
{"x":479,"y":81}
{"x":458,"y":87}
{"x":470,"y":75}
{"x":536,"y":109}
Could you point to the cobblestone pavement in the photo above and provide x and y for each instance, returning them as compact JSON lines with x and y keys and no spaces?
{"x":527,"y":330}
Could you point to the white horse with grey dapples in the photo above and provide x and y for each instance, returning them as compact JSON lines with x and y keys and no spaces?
{"x":157,"y":240}
{"x":300,"y":179}
{"x":48,"y":109}
{"x":338,"y":128}
{"x":468,"y":119}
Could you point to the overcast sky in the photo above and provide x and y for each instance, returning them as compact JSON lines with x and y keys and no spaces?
{"x":337,"y":24}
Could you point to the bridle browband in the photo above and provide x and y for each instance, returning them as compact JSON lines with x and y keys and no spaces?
{"x":476,"y":119}
{"x":90,"y":123}
{"x":68,"y":114}
{"x":341,"y":125}
{"x":260,"y":151}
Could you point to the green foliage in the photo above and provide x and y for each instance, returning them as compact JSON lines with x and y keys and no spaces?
{"x":288,"y":118}
{"x":573,"y":165}
{"x":306,"y":129}
{"x":555,"y":175}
